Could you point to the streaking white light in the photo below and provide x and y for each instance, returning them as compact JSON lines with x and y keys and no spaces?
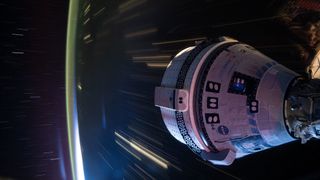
{"x":144,"y":151}
{"x":78,"y":153}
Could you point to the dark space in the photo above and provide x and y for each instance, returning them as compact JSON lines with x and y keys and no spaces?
{"x":121,"y":50}
{"x":32,"y":90}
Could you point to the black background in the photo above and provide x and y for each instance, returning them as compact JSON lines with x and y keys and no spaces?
{"x":32,"y":89}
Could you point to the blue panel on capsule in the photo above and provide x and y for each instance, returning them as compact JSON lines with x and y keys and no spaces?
{"x":238,"y":87}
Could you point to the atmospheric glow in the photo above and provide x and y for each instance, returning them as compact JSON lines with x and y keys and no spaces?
{"x":72,"y":114}
{"x":78,"y":154}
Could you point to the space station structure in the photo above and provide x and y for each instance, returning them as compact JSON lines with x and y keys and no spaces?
{"x":225,"y":100}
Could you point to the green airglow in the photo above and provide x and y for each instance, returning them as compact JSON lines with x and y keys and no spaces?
{"x":70,"y":81}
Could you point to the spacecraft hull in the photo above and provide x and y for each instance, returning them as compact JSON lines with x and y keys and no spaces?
{"x":224,"y":100}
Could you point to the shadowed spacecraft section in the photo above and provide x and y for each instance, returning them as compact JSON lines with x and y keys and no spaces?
{"x":226,"y":100}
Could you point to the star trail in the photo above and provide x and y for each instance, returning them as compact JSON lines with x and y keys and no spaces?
{"x":32,"y":90}
{"x":78,"y":77}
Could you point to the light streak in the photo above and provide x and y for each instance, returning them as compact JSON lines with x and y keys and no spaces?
{"x":145,"y":136}
{"x":141,"y":33}
{"x":130,"y":5}
{"x":99,"y":12}
{"x":87,"y":9}
{"x":17,"y":34}
{"x":248,"y":21}
{"x":179,"y":41}
{"x":123,"y":147}
{"x":156,"y":57}
{"x":144,"y":151}
{"x":157,"y":65}
{"x":86,"y":21}
{"x":17,"y":52}
{"x":87,"y":37}
{"x":145,"y":172}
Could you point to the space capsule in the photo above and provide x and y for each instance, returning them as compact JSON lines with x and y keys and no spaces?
{"x":224,"y":100}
